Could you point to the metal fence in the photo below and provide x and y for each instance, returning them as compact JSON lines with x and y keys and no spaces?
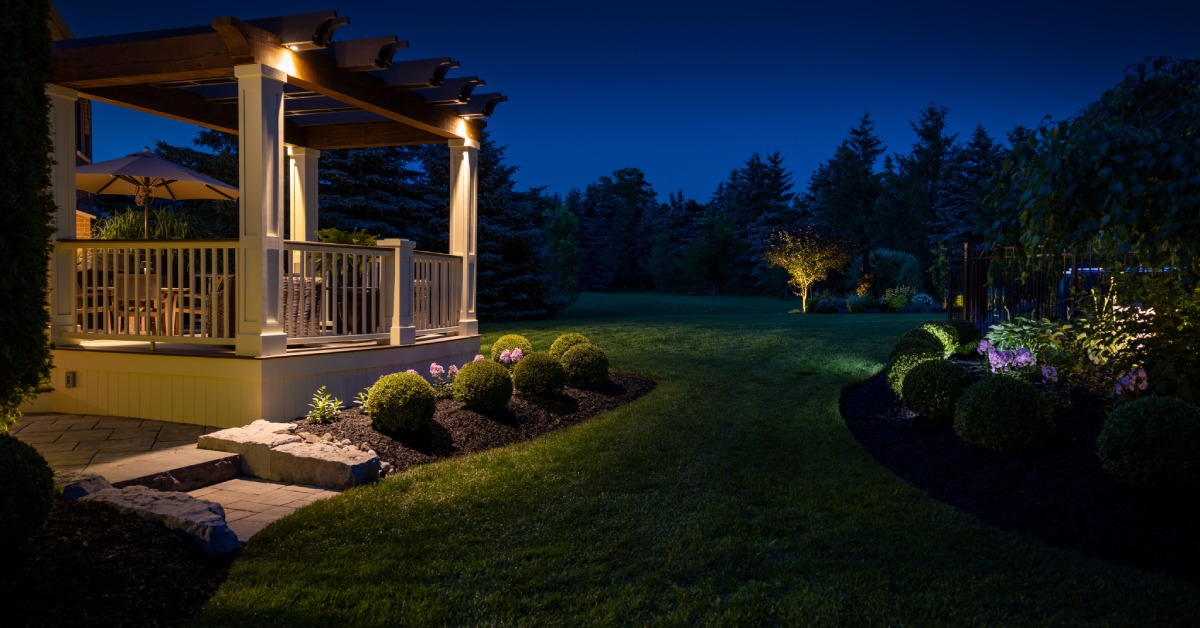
{"x":991,"y":285}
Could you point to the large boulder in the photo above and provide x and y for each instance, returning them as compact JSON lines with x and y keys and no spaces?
{"x":201,"y":520}
{"x":75,"y":485}
{"x":275,"y":451}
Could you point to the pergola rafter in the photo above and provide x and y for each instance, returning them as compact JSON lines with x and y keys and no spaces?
{"x":335,"y":91}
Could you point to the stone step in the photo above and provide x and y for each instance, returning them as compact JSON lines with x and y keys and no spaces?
{"x":274,"y":451}
{"x":183,"y":468}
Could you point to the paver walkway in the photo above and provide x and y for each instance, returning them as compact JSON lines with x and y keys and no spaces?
{"x":121,"y":448}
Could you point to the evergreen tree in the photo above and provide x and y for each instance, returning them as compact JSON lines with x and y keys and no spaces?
{"x":844,"y":191}
{"x":392,"y":192}
{"x":960,"y":215}
{"x":708,"y":258}
{"x":619,"y":213}
{"x":27,"y":207}
{"x":923,"y":180}
{"x":757,"y":198}
{"x":561,"y":231}
{"x":216,"y":157}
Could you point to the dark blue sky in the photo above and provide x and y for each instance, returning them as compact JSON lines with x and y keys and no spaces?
{"x":686,"y":91}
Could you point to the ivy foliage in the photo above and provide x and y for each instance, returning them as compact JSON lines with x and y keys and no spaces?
{"x":1121,"y":176}
{"x":26,"y":207}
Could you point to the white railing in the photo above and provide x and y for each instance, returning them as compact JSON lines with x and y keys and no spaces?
{"x":335,"y":290}
{"x":185,"y":291}
{"x":437,"y":292}
{"x":181,"y":290}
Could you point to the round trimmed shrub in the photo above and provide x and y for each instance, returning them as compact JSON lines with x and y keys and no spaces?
{"x":946,"y":335}
{"x":586,"y":366}
{"x":1152,"y":442}
{"x":26,"y":491}
{"x":563,"y":343}
{"x":932,"y":388}
{"x":484,"y":386}
{"x":508,"y":342}
{"x":401,"y":401}
{"x":539,"y":374}
{"x":1003,"y":414}
{"x":911,"y":344}
{"x":967,"y":336}
{"x":899,"y":366}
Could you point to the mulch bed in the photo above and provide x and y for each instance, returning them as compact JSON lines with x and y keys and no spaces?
{"x":91,"y":565}
{"x":1059,"y":494}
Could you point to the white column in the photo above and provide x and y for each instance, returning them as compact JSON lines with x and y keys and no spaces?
{"x":62,"y":178}
{"x":260,"y":210}
{"x":399,"y":281}
{"x":464,"y":184}
{"x":303,"y":195}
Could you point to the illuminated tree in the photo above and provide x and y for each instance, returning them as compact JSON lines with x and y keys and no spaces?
{"x":807,"y":257}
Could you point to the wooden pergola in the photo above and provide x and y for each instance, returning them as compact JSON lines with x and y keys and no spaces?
{"x":288,"y":90}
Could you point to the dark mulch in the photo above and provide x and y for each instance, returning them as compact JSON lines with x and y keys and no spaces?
{"x":93,"y":566}
{"x":458,"y":430}
{"x":1059,"y":494}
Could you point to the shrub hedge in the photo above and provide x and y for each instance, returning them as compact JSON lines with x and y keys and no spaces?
{"x":401,"y":401}
{"x":539,"y":374}
{"x":932,"y":388}
{"x":26,"y":491}
{"x":484,"y":386}
{"x":563,"y":343}
{"x":586,"y":366}
{"x":508,"y":342}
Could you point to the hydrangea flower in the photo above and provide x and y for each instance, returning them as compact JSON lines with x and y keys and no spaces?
{"x":984,"y":346}
{"x":436,"y":371}
{"x":1049,"y":373}
{"x":1133,"y":381}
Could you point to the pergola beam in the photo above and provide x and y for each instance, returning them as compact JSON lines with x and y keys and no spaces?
{"x":186,"y":57}
{"x":364,"y":135}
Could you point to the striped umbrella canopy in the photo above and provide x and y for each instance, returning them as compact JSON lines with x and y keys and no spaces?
{"x":144,"y":176}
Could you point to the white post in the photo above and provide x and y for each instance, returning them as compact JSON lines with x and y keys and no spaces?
{"x":464,"y":178}
{"x":62,"y":177}
{"x":303,"y":193}
{"x":399,"y":280}
{"x":260,"y":210}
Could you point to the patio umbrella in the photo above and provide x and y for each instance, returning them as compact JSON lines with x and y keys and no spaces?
{"x":144,"y":176}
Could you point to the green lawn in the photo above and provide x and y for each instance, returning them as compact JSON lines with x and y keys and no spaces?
{"x":732,"y":494}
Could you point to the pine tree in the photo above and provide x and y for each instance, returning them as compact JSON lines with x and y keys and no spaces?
{"x":561,"y":231}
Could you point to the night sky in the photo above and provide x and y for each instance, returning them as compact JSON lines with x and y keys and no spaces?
{"x":686,"y":91}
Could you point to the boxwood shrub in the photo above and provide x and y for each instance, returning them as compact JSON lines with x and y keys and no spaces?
{"x":900,"y":364}
{"x":1003,"y":414}
{"x":540,"y":375}
{"x":484,"y":386}
{"x":586,"y":366}
{"x":508,"y":342}
{"x":909,"y":344}
{"x":932,"y":388}
{"x":967,"y":336}
{"x":26,"y":491}
{"x":563,"y":343}
{"x":944,"y":333}
{"x":401,"y":401}
{"x":1152,"y":442}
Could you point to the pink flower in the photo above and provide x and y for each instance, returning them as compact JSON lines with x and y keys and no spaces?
{"x":454,"y":370}
{"x":413,"y":371}
{"x":436,"y":371}
{"x":478,"y":357}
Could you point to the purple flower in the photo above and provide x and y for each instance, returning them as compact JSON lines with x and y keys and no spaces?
{"x":506,"y":356}
{"x":984,"y":346}
{"x":1049,"y":373}
{"x":1024,"y":357}
{"x":516,"y":355}
{"x":453,"y":370}
{"x":478,"y":357}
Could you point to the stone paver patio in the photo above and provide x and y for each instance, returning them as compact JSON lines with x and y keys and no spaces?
{"x":123,"y":448}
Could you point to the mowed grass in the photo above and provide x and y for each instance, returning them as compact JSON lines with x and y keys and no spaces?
{"x":732,"y":494}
